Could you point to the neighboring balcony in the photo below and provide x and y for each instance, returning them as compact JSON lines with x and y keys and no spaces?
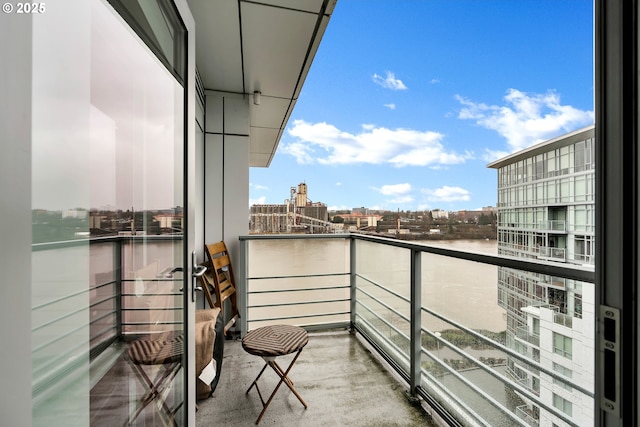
{"x":429,"y":315}
{"x":532,"y":338}
{"x":553,"y":254}
{"x":553,"y":225}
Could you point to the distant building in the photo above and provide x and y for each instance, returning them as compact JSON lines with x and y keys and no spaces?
{"x":361,"y":211}
{"x":169,"y":221}
{"x":75,"y":213}
{"x":439,"y":214}
{"x":359,"y":220}
{"x":298,"y":214}
{"x":546,"y":211}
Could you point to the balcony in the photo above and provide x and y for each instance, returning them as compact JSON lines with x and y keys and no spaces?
{"x":532,"y":338}
{"x":553,"y":254}
{"x":385,"y":316}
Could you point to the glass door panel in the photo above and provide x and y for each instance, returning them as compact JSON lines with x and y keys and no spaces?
{"x":107,"y":208}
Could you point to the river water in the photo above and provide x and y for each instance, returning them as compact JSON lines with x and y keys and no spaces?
{"x":464,"y":291}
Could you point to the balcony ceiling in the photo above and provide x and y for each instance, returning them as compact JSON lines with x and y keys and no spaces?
{"x":266,"y":46}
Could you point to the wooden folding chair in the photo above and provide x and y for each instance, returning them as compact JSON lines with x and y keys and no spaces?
{"x":220,"y":279}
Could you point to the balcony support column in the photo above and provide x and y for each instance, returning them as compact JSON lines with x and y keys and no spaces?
{"x":416,"y":322}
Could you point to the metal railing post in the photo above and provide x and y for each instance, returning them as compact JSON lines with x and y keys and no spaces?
{"x":243,"y":291}
{"x":416,"y":321}
{"x":117,"y":272}
{"x":352,"y":282}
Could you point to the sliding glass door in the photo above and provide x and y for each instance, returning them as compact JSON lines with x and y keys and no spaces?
{"x":108,"y":208}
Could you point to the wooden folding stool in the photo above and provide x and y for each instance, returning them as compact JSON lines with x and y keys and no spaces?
{"x":269,"y":342}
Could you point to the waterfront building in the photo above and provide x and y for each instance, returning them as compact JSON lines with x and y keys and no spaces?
{"x":298,"y":214}
{"x":546,"y":209}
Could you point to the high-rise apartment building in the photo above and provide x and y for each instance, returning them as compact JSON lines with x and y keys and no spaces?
{"x":546,"y":211}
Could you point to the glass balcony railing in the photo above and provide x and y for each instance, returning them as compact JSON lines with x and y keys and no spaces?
{"x":557,"y":254}
{"x":524,"y":334}
{"x":125,"y":293}
{"x":553,"y":225}
{"x":433,"y":314}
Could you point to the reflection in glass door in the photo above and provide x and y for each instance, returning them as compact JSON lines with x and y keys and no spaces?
{"x":107,"y":207}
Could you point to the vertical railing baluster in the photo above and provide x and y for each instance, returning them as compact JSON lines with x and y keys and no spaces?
{"x":416,"y":321}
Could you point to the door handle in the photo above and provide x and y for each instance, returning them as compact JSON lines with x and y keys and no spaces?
{"x":196,"y":272}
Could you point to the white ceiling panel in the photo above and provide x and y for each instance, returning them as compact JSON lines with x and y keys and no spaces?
{"x":275,"y":42}
{"x":313,"y":6}
{"x":262,"y":140}
{"x":324,"y":22}
{"x":270,"y":112}
{"x":270,"y":53}
{"x":218,"y":52}
{"x":260,"y":159}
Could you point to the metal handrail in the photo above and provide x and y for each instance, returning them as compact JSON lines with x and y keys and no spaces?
{"x":533,"y":265}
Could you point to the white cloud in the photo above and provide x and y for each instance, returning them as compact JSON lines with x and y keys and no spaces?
{"x":526,"y":119}
{"x":259,"y":187}
{"x":338,"y":184}
{"x":390,"y":106}
{"x":434,"y":81}
{"x":447,"y":194}
{"x":389,"y":82}
{"x":401,"y":200}
{"x":399,"y":193}
{"x":491,"y":155}
{"x":258,"y":201}
{"x":325,"y":144}
{"x":337,"y":208}
{"x":394,"y":189}
{"x":302,"y":152}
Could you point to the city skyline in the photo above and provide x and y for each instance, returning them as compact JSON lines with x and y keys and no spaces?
{"x":406,"y":103}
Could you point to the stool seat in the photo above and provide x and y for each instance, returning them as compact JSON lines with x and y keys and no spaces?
{"x":269,"y":342}
{"x":156,"y":352}
{"x":276,"y":340}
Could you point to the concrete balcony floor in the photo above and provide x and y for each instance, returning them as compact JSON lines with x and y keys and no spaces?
{"x":336,"y":374}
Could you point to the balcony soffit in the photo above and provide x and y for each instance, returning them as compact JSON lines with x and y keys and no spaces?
{"x":267,"y":46}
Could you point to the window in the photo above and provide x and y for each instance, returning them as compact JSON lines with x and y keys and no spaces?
{"x":562,"y":345}
{"x":583,"y":249}
{"x":562,"y":404}
{"x":565,"y":372}
{"x":579,"y":156}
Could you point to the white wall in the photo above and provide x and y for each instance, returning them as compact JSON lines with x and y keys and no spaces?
{"x":226,"y":170}
{"x":15,"y":227}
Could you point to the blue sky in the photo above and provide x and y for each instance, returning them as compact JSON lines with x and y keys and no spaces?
{"x":407,"y":101}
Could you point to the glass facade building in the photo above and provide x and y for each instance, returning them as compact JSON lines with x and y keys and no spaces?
{"x":546,"y":211}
